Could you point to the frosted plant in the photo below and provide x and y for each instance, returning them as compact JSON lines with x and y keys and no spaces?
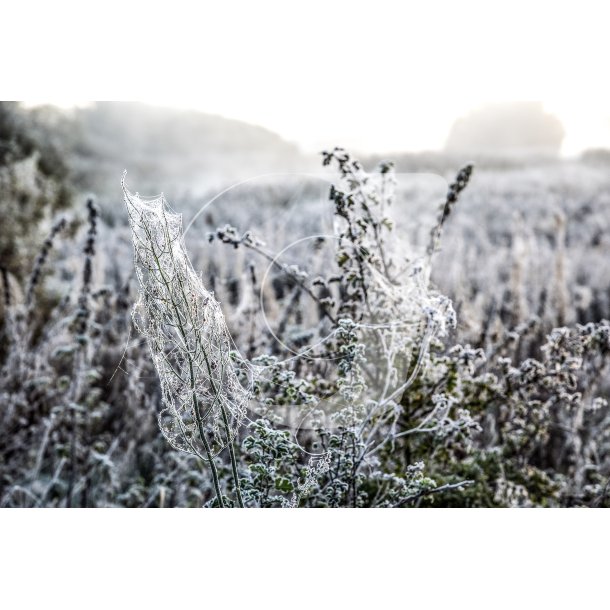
{"x":316,"y":468}
{"x":204,"y":401}
{"x":392,"y":311}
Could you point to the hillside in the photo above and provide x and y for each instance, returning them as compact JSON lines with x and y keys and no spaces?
{"x":162,"y":149}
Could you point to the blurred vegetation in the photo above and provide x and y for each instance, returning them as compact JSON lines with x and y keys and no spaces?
{"x":34,"y":185}
{"x":162,"y":148}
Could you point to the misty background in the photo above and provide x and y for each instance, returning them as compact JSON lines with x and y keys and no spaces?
{"x":505,"y":229}
{"x":192,"y":153}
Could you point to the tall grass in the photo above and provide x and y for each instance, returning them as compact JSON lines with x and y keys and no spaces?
{"x":348,"y":383}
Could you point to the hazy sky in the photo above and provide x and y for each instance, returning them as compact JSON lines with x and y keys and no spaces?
{"x":373,"y":76}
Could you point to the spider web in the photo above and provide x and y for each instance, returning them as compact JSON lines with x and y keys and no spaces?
{"x":204,"y":402}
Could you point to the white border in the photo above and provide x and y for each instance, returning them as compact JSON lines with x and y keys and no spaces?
{"x":341,"y":558}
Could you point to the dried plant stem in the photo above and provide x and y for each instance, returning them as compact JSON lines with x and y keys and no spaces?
{"x":208,"y":451}
{"x":196,"y":409}
{"x":225,"y":421}
{"x":196,"y":402}
{"x":240,"y":501}
{"x":247,"y":242}
{"x":436,"y":490}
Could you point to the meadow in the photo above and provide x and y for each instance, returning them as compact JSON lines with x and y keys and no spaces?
{"x":386,"y":337}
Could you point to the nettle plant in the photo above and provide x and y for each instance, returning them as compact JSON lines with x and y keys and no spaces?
{"x":377,"y":411}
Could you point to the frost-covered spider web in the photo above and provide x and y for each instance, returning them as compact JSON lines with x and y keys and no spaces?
{"x":204,"y":402}
{"x":399,"y":316}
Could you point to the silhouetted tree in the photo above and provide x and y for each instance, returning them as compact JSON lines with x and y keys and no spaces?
{"x":507,"y":128}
